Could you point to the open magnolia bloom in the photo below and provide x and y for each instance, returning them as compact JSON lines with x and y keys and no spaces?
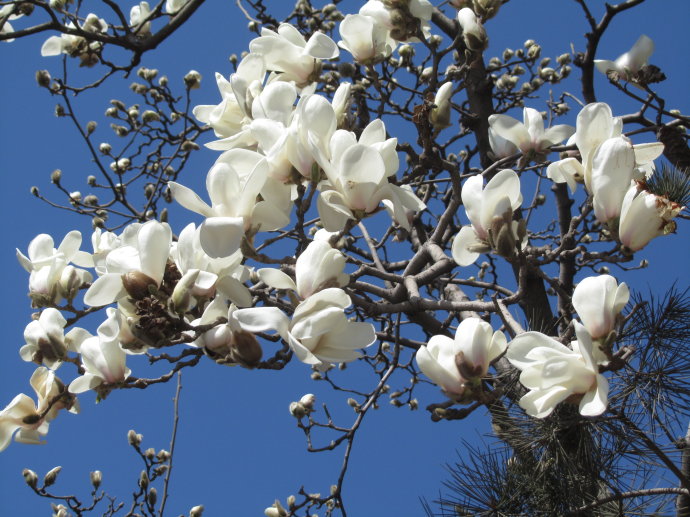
{"x":628,"y":64}
{"x":227,"y":343}
{"x":233,"y":185}
{"x":318,"y":267}
{"x":500,"y":147}
{"x":645,"y":216}
{"x":225,"y":274}
{"x":294,"y":58}
{"x":137,"y":18}
{"x":368,"y":41}
{"x":76,"y":45}
{"x":102,"y":357}
{"x":51,"y":278}
{"x":595,"y":125}
{"x":319,"y":332}
{"x":401,"y":20}
{"x":135,"y":268}
{"x":554,"y":373}
{"x":598,"y":301}
{"x":530,"y":136}
{"x":454,"y":363}
{"x":357,"y":172}
{"x":490,"y":211}
{"x":46,"y":342}
{"x":24,"y":416}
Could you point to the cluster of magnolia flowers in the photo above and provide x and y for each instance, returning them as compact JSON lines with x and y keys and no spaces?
{"x":551,"y":371}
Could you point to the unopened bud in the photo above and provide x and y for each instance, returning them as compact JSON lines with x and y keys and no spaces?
{"x":133,"y":438}
{"x":197,"y":511}
{"x":192,"y":80}
{"x":51,"y":476}
{"x":163,"y":455}
{"x":43,"y":78}
{"x":55,"y":176}
{"x":150,"y":453}
{"x":91,"y":127}
{"x":143,"y":480}
{"x":30,"y":477}
{"x":308,"y":401}
{"x":105,"y":148}
{"x":297,"y":410}
{"x":152,"y":496}
{"x":59,"y":110}
{"x":150,"y":116}
{"x":245,"y":349}
{"x":96,"y":478}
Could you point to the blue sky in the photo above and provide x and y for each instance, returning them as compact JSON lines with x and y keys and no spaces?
{"x":238,"y":447}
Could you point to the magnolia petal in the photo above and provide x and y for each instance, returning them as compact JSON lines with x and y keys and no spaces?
{"x":557,"y":134}
{"x":154,"y":240}
{"x":463,"y":243}
{"x":520,"y":347}
{"x":261,"y":319}
{"x":333,"y":212}
{"x":511,"y":129}
{"x":439,"y":375}
{"x":189,"y":199}
{"x":604,"y":65}
{"x":84,"y":383}
{"x":235,"y":291}
{"x":645,"y":153}
{"x":276,"y":279}
{"x":105,"y":290}
{"x":595,"y":401}
{"x":541,"y":403}
{"x":52,"y":46}
{"x":221,"y":236}
{"x":321,"y":46}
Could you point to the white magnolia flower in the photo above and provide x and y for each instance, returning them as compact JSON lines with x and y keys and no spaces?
{"x":137,"y":16}
{"x":452,"y":363}
{"x":357,"y":172}
{"x":490,"y":211}
{"x":46,"y":342}
{"x":628,"y":64}
{"x":645,"y":216}
{"x":71,"y":44}
{"x":294,"y":58}
{"x":595,"y":125}
{"x":613,"y":165}
{"x":23,"y":415}
{"x":368,"y":41}
{"x":500,"y":147}
{"x":473,"y":32}
{"x":553,"y":373}
{"x":133,"y":268}
{"x":598,"y":300}
{"x":397,"y":21}
{"x":319,"y":332}
{"x":318,"y":267}
{"x":51,"y":277}
{"x":233,"y":184}
{"x":568,"y":170}
{"x":227,"y":342}
{"x":225,"y":274}
{"x":102,"y":357}
{"x":529,"y":136}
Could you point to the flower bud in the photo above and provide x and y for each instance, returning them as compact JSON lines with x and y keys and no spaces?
{"x":55,"y":176}
{"x":150,"y":453}
{"x":51,"y":476}
{"x":105,"y":148}
{"x":143,"y":480}
{"x":30,"y":477}
{"x":182,"y":299}
{"x":150,"y":116}
{"x":133,"y":438}
{"x":152,"y":496}
{"x":192,"y":80}
{"x":43,"y":78}
{"x":297,"y":410}
{"x":59,"y":110}
{"x":197,"y":511}
{"x":96,"y":478}
{"x":308,"y":401}
{"x":91,"y":127}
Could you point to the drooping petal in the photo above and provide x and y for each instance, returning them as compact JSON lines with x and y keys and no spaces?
{"x":221,"y":236}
